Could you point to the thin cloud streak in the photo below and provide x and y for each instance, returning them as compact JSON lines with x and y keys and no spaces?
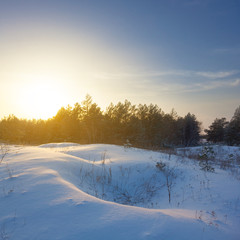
{"x":197,"y":87}
{"x":174,"y":81}
{"x":217,"y":84}
{"x":189,"y":88}
{"x":215,"y":75}
{"x":182,"y":73}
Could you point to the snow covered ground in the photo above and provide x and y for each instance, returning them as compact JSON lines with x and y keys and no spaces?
{"x":70,"y":191}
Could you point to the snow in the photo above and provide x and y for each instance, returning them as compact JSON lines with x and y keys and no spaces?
{"x":72,"y":191}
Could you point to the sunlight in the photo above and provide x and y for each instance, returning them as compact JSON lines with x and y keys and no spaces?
{"x":42,"y":96}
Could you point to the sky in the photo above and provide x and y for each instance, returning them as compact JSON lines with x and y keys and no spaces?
{"x":181,"y":54}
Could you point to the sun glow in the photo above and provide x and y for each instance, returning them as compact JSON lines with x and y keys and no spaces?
{"x":44,"y":69}
{"x":42,"y":97}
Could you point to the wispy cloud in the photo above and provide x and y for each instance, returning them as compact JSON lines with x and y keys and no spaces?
{"x":215,"y":75}
{"x":169,"y":84}
{"x":217,"y":84}
{"x":171,"y":81}
{"x":191,"y":87}
{"x":170,"y":73}
{"x":236,"y":83}
{"x":200,"y":86}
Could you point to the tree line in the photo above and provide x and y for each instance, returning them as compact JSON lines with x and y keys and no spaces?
{"x":143,"y":126}
{"x":222,"y":131}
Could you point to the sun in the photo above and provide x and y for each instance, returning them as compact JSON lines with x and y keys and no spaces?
{"x":42,"y":96}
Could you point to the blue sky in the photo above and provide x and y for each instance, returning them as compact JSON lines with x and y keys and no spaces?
{"x":177,"y":54}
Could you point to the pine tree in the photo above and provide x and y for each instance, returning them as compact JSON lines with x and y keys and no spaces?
{"x":191,"y":130}
{"x":232,"y":135}
{"x":216,"y":131}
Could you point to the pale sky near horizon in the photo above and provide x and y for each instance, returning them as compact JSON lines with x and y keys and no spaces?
{"x":176,"y":54}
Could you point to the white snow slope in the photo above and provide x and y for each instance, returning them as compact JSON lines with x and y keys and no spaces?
{"x":70,"y":191}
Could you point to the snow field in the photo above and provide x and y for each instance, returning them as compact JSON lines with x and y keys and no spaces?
{"x":71,"y":191}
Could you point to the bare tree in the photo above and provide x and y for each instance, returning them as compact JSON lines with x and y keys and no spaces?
{"x":3,"y":152}
{"x":170,"y":175}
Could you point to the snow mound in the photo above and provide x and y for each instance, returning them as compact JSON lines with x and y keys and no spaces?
{"x":58,"y":145}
